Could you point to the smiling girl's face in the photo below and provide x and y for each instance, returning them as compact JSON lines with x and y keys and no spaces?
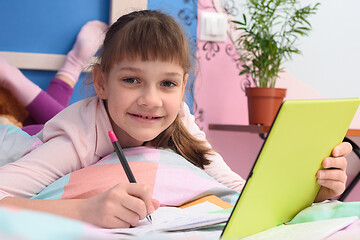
{"x":143,"y":98}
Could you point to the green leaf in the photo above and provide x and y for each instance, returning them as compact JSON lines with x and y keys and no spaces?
{"x":246,"y":67}
{"x":270,"y":32}
{"x":244,"y":72}
{"x":244,"y":17}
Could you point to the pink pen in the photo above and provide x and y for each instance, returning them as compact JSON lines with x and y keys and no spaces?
{"x":124,"y":162}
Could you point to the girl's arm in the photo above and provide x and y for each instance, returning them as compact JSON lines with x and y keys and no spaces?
{"x":29,"y":175}
{"x":73,"y":139}
{"x":120,"y":207}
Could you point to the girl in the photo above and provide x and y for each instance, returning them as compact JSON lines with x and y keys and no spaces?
{"x":140,"y":82}
{"x":43,"y":105}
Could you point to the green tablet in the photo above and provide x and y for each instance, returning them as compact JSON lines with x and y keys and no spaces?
{"x":282,"y":181}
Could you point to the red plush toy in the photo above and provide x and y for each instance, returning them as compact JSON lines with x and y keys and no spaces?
{"x":11,"y":110}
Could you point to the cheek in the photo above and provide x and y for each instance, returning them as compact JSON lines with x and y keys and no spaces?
{"x":117,"y":106}
{"x":118,"y":97}
{"x":174,"y":106}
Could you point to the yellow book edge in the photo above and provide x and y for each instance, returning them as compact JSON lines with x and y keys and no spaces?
{"x":210,"y":198}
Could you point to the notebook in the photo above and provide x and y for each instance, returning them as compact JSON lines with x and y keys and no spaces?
{"x":202,"y":213}
{"x":282,"y":181}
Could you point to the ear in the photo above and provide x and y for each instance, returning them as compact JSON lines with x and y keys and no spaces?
{"x":99,"y":82}
{"x":186,"y":76}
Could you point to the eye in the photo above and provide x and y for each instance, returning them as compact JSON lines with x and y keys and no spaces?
{"x":131,"y":80}
{"x":168,"y":84}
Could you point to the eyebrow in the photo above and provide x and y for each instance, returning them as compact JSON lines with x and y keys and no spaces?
{"x":132,"y":69}
{"x":138,"y":70}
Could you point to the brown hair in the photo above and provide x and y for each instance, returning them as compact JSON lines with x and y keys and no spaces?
{"x":152,"y":35}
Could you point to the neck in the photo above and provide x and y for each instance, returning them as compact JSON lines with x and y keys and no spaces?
{"x":125,"y":140}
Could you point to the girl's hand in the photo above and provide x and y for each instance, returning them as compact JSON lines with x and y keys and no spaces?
{"x":333,"y":178}
{"x":120,"y":207}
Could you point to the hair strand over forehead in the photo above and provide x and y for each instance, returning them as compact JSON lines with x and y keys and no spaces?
{"x":146,"y":35}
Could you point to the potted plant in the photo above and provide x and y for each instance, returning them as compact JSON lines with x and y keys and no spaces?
{"x":270,"y":30}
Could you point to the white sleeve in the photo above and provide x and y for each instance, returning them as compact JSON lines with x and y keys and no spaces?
{"x":65,"y":148}
{"x":217,"y":169}
{"x":75,"y":138}
{"x":30,"y":174}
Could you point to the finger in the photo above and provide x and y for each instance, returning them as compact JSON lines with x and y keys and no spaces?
{"x":137,"y":206}
{"x":332,"y":174}
{"x":335,"y":162}
{"x":342,"y":149}
{"x":115,"y":212}
{"x":142,"y":192}
{"x":112,"y":216}
{"x":155,"y":203}
{"x":114,"y":222}
{"x":127,"y":216}
{"x":335,"y":187}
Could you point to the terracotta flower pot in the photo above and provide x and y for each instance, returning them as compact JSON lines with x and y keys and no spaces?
{"x":263,"y":104}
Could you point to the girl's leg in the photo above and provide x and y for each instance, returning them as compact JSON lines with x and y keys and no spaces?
{"x":25,"y":90}
{"x":33,"y":129}
{"x":61,"y":88}
{"x":40,"y":105}
{"x":49,"y":103}
{"x":88,"y":42}
{"x":61,"y":91}
{"x":12,"y":79}
{"x":44,"y":105}
{"x":42,"y":109}
{"x":46,"y":101}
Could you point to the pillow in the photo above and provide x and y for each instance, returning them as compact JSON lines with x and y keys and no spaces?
{"x":171,"y":178}
{"x":15,"y":143}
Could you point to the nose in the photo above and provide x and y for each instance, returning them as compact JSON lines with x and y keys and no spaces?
{"x":151,"y":97}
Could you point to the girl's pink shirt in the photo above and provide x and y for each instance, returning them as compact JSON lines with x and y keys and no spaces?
{"x":76,"y":138}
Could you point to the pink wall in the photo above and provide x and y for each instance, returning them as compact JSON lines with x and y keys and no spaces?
{"x":220,"y":100}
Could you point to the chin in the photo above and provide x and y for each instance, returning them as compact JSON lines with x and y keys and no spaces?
{"x":145,"y":137}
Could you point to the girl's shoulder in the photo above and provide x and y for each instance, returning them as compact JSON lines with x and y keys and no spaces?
{"x":85,"y":123}
{"x":81,"y":110}
{"x":89,"y":102}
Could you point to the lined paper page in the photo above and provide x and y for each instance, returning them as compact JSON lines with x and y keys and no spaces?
{"x":174,"y":219}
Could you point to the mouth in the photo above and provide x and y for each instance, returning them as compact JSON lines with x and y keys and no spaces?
{"x":145,"y":117}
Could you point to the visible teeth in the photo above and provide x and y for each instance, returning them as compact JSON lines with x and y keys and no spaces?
{"x":146,"y":117}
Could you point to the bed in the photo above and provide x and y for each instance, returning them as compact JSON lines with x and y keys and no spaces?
{"x":164,"y":173}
